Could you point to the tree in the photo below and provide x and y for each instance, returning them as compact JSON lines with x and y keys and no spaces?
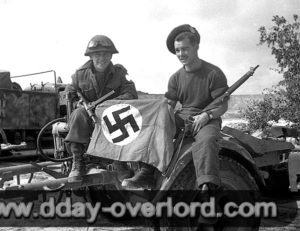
{"x":283,"y":100}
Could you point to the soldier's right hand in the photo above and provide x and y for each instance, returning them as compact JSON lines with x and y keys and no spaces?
{"x":79,"y":104}
{"x":199,"y":122}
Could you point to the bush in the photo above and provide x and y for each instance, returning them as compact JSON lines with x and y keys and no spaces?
{"x":283,"y":100}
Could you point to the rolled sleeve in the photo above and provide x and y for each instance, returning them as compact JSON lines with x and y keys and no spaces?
{"x":172,"y":89}
{"x":218,"y":84}
{"x":128,"y":90}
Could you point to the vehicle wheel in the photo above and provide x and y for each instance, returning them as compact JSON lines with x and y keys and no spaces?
{"x":235,"y":179}
{"x":107,"y":195}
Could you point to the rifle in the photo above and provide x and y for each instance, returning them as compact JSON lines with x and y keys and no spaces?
{"x":90,"y":106}
{"x":224,"y":97}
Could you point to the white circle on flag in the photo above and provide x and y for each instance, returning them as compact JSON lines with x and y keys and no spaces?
{"x":121,"y":123}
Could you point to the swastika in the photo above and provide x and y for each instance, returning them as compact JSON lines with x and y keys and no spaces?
{"x":121,"y":124}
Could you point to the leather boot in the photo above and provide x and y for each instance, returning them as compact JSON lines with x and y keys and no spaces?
{"x":122,"y":170}
{"x":143,"y":179}
{"x":78,"y":165}
{"x":208,"y":191}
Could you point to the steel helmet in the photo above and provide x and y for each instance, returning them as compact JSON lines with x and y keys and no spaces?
{"x":100,"y":43}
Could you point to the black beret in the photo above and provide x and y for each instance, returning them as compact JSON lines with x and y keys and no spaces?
{"x":176,"y":31}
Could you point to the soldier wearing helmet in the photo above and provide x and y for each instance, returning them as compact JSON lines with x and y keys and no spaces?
{"x":100,"y":43}
{"x":95,"y":78}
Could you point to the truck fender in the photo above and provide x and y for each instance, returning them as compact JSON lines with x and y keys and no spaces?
{"x":242,"y":156}
{"x":227,"y":148}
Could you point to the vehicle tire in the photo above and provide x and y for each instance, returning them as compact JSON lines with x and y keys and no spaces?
{"x":107,"y":195}
{"x":234,"y":178}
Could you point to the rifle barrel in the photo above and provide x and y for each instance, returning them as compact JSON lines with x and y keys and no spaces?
{"x":231,"y":89}
{"x":238,"y":83}
{"x":100,"y":100}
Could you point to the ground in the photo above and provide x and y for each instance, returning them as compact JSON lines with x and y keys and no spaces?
{"x":288,"y":214}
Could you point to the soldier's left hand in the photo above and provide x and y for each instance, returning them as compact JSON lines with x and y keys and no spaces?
{"x":199,"y":122}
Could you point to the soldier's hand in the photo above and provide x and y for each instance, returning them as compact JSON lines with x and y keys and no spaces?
{"x":199,"y":122}
{"x":79,"y":104}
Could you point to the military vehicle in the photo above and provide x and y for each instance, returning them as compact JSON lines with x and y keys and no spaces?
{"x":246,"y":165}
{"x":24,"y":111}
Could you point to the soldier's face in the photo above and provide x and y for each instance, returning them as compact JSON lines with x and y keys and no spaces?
{"x":101,"y":60}
{"x":186,"y":52}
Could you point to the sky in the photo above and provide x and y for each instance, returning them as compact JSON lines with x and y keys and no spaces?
{"x":42,"y":35}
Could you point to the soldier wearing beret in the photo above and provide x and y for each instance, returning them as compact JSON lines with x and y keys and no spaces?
{"x":95,"y":78}
{"x":196,"y":84}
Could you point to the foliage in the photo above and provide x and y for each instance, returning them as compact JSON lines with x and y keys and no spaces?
{"x":270,"y":108}
{"x":283,"y":100}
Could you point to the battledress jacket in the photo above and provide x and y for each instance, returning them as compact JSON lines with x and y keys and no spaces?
{"x":94,"y":85}
{"x":85,"y":80}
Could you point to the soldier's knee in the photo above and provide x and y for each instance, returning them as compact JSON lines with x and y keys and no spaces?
{"x":211,"y":139}
{"x":79,"y":112}
{"x":79,"y":115}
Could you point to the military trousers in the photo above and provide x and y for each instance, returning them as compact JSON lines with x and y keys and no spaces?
{"x":205,"y":151}
{"x":80,"y":127}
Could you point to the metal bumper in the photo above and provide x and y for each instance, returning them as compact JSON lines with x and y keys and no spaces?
{"x":101,"y":178}
{"x":61,"y":182}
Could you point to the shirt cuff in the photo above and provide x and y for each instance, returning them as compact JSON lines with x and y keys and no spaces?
{"x":171,"y":96}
